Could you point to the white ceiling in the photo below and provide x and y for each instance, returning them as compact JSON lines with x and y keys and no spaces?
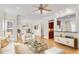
{"x":26,"y":10}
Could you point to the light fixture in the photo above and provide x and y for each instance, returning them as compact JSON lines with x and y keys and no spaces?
{"x":43,"y":12}
{"x":42,"y":9}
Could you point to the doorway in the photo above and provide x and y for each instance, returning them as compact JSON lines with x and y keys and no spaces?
{"x":51,"y":29}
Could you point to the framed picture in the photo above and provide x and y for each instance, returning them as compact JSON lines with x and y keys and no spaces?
{"x":9,"y":24}
{"x":36,"y":27}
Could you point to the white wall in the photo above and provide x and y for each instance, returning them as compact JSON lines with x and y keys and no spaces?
{"x":31,"y":23}
{"x":37,"y":31}
{"x":77,"y":17}
{"x":3,"y":30}
{"x":67,"y":24}
{"x":45,"y":22}
{"x":13,"y":19}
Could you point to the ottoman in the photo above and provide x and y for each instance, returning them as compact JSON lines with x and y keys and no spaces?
{"x":54,"y":50}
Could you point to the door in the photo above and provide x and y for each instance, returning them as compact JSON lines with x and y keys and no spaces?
{"x":51,"y":29}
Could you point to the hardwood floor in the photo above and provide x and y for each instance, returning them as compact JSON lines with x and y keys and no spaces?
{"x":22,"y":49}
{"x":52,"y":43}
{"x":67,"y":50}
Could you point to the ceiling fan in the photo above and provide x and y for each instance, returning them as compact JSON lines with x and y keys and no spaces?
{"x":42,"y":8}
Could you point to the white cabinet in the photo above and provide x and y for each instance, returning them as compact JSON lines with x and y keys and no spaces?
{"x":66,"y":41}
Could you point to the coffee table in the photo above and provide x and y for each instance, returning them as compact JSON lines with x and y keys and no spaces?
{"x":37,"y":47}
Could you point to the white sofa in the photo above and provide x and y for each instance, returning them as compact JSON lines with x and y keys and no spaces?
{"x":65,"y":41}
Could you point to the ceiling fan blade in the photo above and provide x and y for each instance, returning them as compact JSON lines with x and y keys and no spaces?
{"x":35,"y":6}
{"x":34,"y":10}
{"x":46,"y":5}
{"x":47,"y":9}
